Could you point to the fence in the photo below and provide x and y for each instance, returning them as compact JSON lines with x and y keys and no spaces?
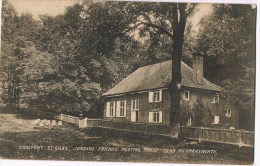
{"x":145,"y":128}
{"x":225,"y":136}
{"x":68,"y":118}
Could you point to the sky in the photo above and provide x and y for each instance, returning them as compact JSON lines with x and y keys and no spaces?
{"x":39,"y":7}
{"x":55,"y":7}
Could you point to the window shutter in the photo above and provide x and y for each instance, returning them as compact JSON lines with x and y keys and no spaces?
{"x":114,"y":108}
{"x":117,"y":108}
{"x":150,"y":117}
{"x":150,"y":97}
{"x":107,"y":109}
{"x":213,"y":98}
{"x":216,"y":119}
{"x":125,"y":108}
{"x":160,"y":95}
{"x":132,"y":105}
{"x":133,"y":116}
{"x":160,"y":116}
{"x":189,"y":121}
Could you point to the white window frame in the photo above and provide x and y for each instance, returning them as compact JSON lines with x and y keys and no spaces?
{"x":184,"y":95}
{"x":135,"y":105}
{"x":157,"y":119}
{"x":216,"y":120}
{"x":121,"y":108}
{"x":215,"y":98}
{"x":110,"y":110}
{"x":228,"y":113}
{"x":155,"y":96}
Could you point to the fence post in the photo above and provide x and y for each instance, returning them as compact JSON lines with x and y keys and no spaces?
{"x":240,"y":139}
{"x":61,"y":117}
{"x":200,"y":134}
{"x":83,"y":123}
{"x":127,"y":126}
{"x":111,"y":125}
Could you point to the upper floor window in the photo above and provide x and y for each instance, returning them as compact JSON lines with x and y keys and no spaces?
{"x":155,"y":96}
{"x":135,"y":104}
{"x":228,"y":113}
{"x":186,"y":95}
{"x":215,"y":98}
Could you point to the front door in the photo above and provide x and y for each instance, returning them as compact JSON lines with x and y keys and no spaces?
{"x":136,"y":116}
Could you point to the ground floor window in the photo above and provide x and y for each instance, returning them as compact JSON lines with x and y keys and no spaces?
{"x":135,"y":104}
{"x":189,"y":122}
{"x":216,"y":120}
{"x":155,"y":117}
{"x":121,"y":109}
{"x":110,"y":109}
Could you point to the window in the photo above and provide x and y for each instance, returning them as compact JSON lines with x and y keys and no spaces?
{"x":121,"y":109}
{"x":135,"y":104}
{"x":110,"y":109}
{"x":186,"y":95}
{"x":228,"y":113}
{"x":189,"y":121}
{"x":215,"y":98}
{"x":216,"y":120}
{"x":155,"y":96}
{"x":155,"y":117}
{"x":134,"y":110}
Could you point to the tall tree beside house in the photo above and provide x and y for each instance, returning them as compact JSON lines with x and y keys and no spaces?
{"x":166,"y":19}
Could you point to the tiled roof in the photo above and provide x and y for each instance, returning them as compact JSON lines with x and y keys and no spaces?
{"x":158,"y":76}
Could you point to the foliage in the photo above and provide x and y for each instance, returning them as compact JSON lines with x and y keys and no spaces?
{"x":227,"y":41}
{"x":202,"y":115}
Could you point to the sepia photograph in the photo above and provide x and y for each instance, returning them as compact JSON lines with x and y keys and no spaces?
{"x":128,"y":81}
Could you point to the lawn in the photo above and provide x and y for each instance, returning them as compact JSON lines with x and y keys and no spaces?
{"x":20,"y":140}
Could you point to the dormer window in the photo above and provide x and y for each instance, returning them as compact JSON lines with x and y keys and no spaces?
{"x":215,"y":98}
{"x":186,"y":95}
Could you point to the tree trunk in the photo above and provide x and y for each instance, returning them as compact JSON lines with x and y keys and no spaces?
{"x":175,"y":85}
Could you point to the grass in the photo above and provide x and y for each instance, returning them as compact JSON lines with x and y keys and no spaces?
{"x":16,"y":133}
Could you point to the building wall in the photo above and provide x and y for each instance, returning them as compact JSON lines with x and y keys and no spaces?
{"x":204,"y":96}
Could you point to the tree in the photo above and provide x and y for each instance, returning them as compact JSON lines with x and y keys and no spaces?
{"x":227,"y":39}
{"x":166,"y":19}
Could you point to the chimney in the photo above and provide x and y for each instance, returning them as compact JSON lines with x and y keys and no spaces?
{"x":198,"y":68}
